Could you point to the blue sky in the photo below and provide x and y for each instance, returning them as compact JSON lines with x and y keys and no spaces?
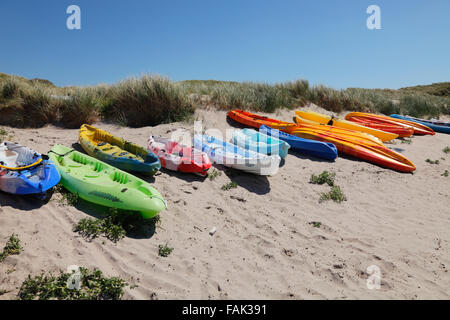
{"x":325,"y":42}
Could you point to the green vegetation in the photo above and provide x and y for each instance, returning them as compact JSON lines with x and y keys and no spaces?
{"x":93,"y":286}
{"x":3,"y":134}
{"x":12,"y":247}
{"x":315,"y":224}
{"x":214,"y":174}
{"x":229,"y":186}
{"x":432,"y":161}
{"x":67,"y":198}
{"x":446,"y":150}
{"x":335,"y":194}
{"x":164,"y":250}
{"x":406,"y":140}
{"x":151,"y":100}
{"x":324,"y":177}
{"x":441,"y":89}
{"x":114,"y":226}
{"x":445,"y":174}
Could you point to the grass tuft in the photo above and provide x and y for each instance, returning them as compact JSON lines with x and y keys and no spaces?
{"x":432,"y":161}
{"x":446,"y":150}
{"x":324,"y":177}
{"x":335,"y":194}
{"x":230,"y":185}
{"x":214,"y":174}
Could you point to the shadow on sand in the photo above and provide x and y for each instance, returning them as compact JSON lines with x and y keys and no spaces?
{"x":253,"y":183}
{"x":21,"y":202}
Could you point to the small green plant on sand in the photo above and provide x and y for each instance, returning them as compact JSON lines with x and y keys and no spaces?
{"x":405,"y":140}
{"x":2,"y":292}
{"x":315,"y":224}
{"x":67,"y":198}
{"x":93,"y":286}
{"x":324,"y":177}
{"x":445,"y":174}
{"x":115,"y":226}
{"x":229,"y":186}
{"x":214,"y":174}
{"x":3,"y":134}
{"x":335,"y":194}
{"x":164,"y":250}
{"x":446,"y":150}
{"x":12,"y":247}
{"x":432,"y":161}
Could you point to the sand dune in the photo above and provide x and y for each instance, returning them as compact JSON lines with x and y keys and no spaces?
{"x":265,"y":246}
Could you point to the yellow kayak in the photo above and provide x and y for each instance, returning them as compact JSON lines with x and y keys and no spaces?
{"x":340,"y":123}
{"x":349,"y":134}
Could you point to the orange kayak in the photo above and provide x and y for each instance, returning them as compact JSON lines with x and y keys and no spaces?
{"x":358,"y":147}
{"x":370,"y":152}
{"x":255,"y":121}
{"x":401,"y":130}
{"x":419,"y":129}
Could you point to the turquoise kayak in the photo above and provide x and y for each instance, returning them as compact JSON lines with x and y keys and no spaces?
{"x":253,"y":140}
{"x":436,"y":125}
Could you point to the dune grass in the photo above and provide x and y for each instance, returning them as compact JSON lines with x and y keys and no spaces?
{"x":151,"y":100}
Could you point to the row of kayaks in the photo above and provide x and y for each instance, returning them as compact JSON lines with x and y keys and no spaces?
{"x":105,"y":174}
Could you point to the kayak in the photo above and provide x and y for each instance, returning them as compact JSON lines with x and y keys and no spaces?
{"x":233,"y":156}
{"x":255,"y":121}
{"x":177,"y":157}
{"x":419,"y":129}
{"x":350,"y":134}
{"x":401,"y":130}
{"x":370,"y":152}
{"x":438,"y":126}
{"x":251,"y":139}
{"x":24,"y":171}
{"x":332,"y":121}
{"x":318,"y":149}
{"x":117,"y":152}
{"x":100,"y":183}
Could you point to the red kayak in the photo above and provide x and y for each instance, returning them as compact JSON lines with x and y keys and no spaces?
{"x":419,"y":129}
{"x":402,"y":131}
{"x":177,"y":157}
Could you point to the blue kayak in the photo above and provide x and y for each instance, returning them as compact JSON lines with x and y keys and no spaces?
{"x":23,"y":171}
{"x":318,"y":149}
{"x":436,"y":125}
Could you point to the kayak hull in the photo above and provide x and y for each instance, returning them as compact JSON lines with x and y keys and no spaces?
{"x":177,"y":157}
{"x":37,"y":179}
{"x":233,"y":156}
{"x":318,"y":149}
{"x":259,"y":142}
{"x":331,"y":121}
{"x":117,"y":152}
{"x":442,"y":128}
{"x":419,"y":129}
{"x":100,"y":183}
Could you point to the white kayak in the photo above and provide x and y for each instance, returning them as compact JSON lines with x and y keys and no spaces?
{"x":233,"y":156}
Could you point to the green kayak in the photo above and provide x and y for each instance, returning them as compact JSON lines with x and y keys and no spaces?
{"x":100,"y":183}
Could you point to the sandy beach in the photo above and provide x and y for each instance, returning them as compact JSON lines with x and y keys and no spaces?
{"x":265,"y":246}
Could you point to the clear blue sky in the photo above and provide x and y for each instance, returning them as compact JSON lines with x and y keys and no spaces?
{"x":242,"y":40}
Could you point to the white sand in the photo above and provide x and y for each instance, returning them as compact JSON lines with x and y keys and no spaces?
{"x":264,"y":246}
